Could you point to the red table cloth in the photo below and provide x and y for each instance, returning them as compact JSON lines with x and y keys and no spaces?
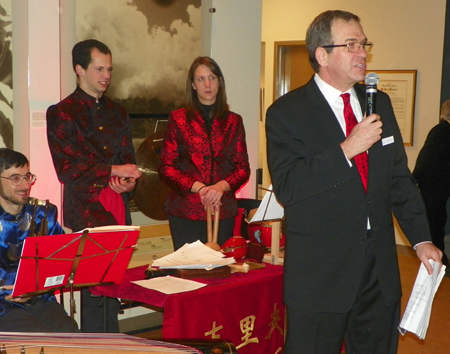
{"x":246,"y":309}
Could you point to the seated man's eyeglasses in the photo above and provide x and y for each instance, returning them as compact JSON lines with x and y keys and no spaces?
{"x":17,"y":179}
{"x":353,"y":47}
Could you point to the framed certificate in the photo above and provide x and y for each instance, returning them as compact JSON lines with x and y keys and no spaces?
{"x":400,"y":85}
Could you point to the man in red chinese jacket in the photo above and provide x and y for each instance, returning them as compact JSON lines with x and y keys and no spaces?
{"x":90,"y":142}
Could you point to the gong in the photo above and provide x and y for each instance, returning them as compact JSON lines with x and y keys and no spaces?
{"x":151,"y":193}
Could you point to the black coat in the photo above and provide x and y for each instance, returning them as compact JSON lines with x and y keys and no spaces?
{"x":326,"y":208}
{"x":432,"y":170}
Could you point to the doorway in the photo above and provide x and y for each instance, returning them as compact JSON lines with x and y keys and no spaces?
{"x":291,"y":70}
{"x":291,"y":67}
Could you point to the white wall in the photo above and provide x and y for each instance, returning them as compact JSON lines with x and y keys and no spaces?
{"x":235,"y":43}
{"x":36,"y":85}
{"x":407,"y":34}
{"x":44,"y":34}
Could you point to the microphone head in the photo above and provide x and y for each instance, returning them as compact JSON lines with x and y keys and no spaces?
{"x":372,"y":79}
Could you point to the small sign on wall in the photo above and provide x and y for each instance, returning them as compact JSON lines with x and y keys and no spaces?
{"x":38,"y":119}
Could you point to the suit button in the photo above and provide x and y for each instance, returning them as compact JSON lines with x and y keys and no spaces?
{"x":105,"y":147}
{"x":100,"y":128}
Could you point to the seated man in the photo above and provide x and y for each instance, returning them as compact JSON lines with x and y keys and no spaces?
{"x":39,"y":313}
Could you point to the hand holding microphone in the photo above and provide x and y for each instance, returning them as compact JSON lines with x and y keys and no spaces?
{"x":369,"y":130}
{"x":372,"y":80}
{"x":371,"y":93}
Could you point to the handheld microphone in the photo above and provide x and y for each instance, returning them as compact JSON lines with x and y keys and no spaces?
{"x":372,"y":80}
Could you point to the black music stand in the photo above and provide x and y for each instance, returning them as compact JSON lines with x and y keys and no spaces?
{"x":73,"y":260}
{"x":271,"y":210}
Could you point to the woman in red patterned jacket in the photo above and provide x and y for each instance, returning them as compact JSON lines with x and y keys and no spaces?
{"x":204,"y":159}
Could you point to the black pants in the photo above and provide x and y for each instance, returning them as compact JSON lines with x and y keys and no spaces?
{"x":370,"y":327}
{"x":188,"y":231}
{"x":37,"y":316}
{"x":99,"y":313}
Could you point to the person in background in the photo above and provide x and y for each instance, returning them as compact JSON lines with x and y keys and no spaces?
{"x":432,"y":173}
{"x":40,"y":313}
{"x":89,"y":137}
{"x":204,"y":159}
{"x":341,"y":175}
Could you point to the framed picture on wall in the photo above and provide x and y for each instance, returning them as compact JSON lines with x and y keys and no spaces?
{"x":6,"y":75}
{"x":400,"y":85}
{"x":153,"y":43}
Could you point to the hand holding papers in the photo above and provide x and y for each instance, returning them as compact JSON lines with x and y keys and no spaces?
{"x":418,"y":310}
{"x":193,"y":256}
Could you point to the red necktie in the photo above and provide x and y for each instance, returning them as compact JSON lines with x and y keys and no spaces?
{"x":361,"y":160}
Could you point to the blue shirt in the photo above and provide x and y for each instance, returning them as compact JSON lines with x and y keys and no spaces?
{"x":13,"y":231}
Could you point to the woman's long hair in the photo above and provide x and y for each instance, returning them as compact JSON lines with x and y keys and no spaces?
{"x":220,"y":107}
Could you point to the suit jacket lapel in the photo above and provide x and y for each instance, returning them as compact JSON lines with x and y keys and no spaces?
{"x":323,"y":114}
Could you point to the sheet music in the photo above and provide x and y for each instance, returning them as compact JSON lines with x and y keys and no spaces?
{"x":193,"y":255}
{"x":418,"y":310}
{"x":269,"y":209}
{"x":170,"y":285}
{"x":111,"y":228}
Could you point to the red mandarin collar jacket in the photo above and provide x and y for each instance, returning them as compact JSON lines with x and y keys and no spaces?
{"x":190,"y":155}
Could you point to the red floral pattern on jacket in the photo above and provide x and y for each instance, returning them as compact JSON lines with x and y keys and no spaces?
{"x":189,"y":155}
{"x":85,"y":138}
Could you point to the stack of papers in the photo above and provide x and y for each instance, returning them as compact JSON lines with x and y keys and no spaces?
{"x":193,"y":256}
{"x":170,"y":285}
{"x":418,"y":310}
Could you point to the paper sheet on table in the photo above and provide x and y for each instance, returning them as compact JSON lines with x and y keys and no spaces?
{"x":169,"y":285}
{"x":269,"y":209}
{"x":418,"y":310}
{"x":193,"y":255}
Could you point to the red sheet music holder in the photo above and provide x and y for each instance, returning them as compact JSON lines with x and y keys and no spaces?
{"x":75,"y":260}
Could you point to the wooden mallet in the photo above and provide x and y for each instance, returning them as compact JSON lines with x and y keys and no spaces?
{"x":212,"y":234}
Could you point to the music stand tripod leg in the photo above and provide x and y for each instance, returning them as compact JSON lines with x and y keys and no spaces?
{"x":105,"y":313}
{"x":72,"y":304}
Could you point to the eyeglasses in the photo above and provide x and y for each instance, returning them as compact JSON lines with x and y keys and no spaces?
{"x":17,"y":179}
{"x":353,"y":47}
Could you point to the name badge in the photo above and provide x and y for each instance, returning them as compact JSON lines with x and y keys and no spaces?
{"x":387,"y":141}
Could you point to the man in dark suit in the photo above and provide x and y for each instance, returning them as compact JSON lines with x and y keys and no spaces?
{"x":341,"y":271}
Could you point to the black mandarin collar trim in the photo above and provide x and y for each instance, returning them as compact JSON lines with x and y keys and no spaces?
{"x":87,"y":97}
